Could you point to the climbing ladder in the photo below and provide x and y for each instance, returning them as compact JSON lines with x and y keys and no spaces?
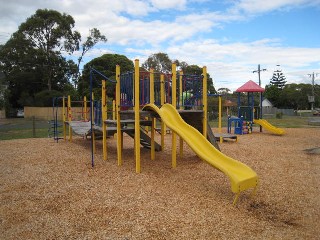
{"x":145,"y":139}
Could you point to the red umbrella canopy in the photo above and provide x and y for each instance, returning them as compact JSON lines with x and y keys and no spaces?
{"x":250,"y":86}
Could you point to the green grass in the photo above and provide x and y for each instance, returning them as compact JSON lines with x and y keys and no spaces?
{"x":19,"y":128}
{"x":284,"y":122}
{"x":290,"y":122}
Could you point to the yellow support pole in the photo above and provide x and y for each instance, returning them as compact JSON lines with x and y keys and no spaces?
{"x":236,"y":198}
{"x":153,"y":120}
{"x":180,"y":91}
{"x":220,"y":117}
{"x":113,"y":110}
{"x":69,"y":118}
{"x":104,"y":118}
{"x":162,"y":97}
{"x":181,"y":107}
{"x":205,"y":101}
{"x":64,"y":118}
{"x":174,"y":103}
{"x":85,"y":117}
{"x":117,"y":109}
{"x":181,"y":147}
{"x":151,"y":86}
{"x":137,"y":115}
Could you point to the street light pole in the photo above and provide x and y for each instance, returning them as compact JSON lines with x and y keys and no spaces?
{"x":258,"y":71}
{"x":312,"y":90}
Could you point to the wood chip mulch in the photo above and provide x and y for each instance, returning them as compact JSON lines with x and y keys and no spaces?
{"x":48,"y":190}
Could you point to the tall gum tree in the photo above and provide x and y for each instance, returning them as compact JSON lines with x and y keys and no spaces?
{"x":33,"y":58}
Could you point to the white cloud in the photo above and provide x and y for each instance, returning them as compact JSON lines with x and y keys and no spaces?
{"x":133,"y":29}
{"x":233,"y":63}
{"x":258,"y":6}
{"x":167,"y":4}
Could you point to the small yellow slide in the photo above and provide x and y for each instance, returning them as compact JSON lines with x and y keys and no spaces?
{"x":241,"y":176}
{"x":265,"y":124}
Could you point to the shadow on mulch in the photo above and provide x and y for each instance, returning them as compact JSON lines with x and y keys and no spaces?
{"x":312,"y":150}
{"x":276,"y":215}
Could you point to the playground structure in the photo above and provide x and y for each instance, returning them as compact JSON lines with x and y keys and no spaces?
{"x":219,"y":135}
{"x":148,"y":90}
{"x":77,"y":121}
{"x":55,"y":127}
{"x":250,"y":114}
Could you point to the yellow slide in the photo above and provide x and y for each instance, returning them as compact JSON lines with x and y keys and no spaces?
{"x":241,"y":176}
{"x":264,"y":123}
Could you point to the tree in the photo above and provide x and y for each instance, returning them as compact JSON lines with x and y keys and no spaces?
{"x":196,"y":70}
{"x":291,"y":96}
{"x":106,"y":64}
{"x":278,"y":79}
{"x":94,"y":37}
{"x":160,"y":62}
{"x":33,"y":60}
{"x":224,"y":91}
{"x":2,"y":90}
{"x":272,"y":93}
{"x":49,"y":33}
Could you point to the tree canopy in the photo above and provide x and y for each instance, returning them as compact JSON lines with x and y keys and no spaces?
{"x":106,"y":64}
{"x":161,"y":62}
{"x":33,"y":58}
{"x":292,"y":95}
{"x":278,"y":79}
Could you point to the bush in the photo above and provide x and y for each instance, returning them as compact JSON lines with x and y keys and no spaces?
{"x":44,"y":98}
{"x":279,"y":115}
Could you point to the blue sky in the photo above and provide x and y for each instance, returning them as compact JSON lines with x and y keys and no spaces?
{"x":230,"y":37}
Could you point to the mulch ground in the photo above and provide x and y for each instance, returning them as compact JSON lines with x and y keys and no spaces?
{"x":48,"y":190}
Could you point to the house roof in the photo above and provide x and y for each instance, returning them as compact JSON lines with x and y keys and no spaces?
{"x":266,"y":103}
{"x":250,"y":86}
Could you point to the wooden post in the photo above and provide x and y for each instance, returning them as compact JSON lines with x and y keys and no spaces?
{"x":162,"y":96}
{"x":117,"y":109}
{"x":69,"y":118}
{"x":137,"y":115}
{"x":174,"y":103}
{"x":181,"y":107}
{"x":153,"y":120}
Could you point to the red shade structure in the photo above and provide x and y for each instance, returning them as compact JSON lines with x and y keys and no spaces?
{"x":248,"y":112}
{"x":250,"y":86}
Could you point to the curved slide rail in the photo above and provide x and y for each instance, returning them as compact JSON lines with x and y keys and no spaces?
{"x":241,"y":176}
{"x":264,"y":123}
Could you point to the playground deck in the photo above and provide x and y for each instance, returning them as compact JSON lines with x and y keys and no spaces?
{"x":225,"y":136}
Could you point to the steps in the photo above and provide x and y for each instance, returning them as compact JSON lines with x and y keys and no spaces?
{"x":145,"y":140}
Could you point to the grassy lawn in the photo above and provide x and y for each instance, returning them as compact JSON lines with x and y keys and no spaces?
{"x":17,"y":128}
{"x":284,"y":122}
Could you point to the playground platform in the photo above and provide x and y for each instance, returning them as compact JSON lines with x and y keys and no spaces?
{"x":225,"y":136}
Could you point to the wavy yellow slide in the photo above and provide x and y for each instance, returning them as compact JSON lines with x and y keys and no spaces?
{"x":241,"y":176}
{"x":264,"y":123}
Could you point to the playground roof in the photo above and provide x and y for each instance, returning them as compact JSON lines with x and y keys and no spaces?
{"x":250,"y":86}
